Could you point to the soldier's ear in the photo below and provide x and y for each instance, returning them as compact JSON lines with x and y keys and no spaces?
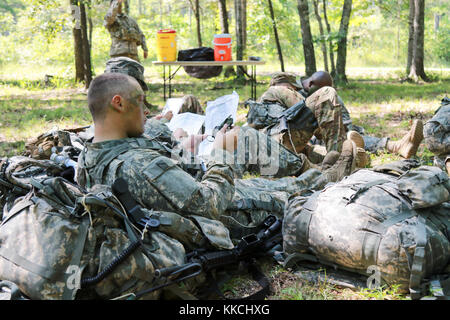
{"x":117,"y":103}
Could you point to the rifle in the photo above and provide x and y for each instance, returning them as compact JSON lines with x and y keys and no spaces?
{"x":250,"y":247}
{"x":228,"y":121}
{"x":299,"y":116}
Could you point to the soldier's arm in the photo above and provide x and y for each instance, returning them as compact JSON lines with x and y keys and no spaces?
{"x":159,"y":184}
{"x":111,"y":15}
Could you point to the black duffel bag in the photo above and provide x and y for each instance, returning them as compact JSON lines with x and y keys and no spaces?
{"x":199,"y":54}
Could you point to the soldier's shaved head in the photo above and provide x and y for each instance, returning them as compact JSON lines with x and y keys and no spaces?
{"x":317,"y":80}
{"x":104,"y":87}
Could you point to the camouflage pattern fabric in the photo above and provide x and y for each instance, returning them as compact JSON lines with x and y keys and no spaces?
{"x":151,"y":177}
{"x":256,"y":198}
{"x":437,"y":134}
{"x":326,"y":108}
{"x":125,"y":33}
{"x":285,"y":96}
{"x":261,"y":154}
{"x":345,"y":225}
{"x":191,"y":104}
{"x":67,"y":245}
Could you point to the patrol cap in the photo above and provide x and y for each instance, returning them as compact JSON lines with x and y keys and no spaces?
{"x":286,"y":77}
{"x":127,"y":66}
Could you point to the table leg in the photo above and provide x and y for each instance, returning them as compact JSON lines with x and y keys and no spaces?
{"x":170,"y":82}
{"x":164,"y":77}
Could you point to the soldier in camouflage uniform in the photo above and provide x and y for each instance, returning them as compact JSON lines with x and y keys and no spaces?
{"x":324,"y":105}
{"x":307,"y":87}
{"x":125,"y":33}
{"x":437,"y":135}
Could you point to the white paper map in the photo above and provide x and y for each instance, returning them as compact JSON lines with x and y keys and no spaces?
{"x":189,"y":122}
{"x":216,"y":112}
{"x":173,"y":104}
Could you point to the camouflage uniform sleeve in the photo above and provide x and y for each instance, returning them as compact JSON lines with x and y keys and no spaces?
{"x":111,"y":15}
{"x":160,"y":184}
{"x":143,"y":42}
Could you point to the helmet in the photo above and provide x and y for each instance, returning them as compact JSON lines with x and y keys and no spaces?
{"x":127,"y":66}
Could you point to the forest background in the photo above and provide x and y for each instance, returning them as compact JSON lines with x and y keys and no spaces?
{"x":40,"y":89}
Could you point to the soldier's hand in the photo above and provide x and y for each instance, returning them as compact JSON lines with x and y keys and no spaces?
{"x":145,"y":54}
{"x":226,"y":140}
{"x":168,"y":115}
{"x":179,"y":134}
{"x":191,"y":143}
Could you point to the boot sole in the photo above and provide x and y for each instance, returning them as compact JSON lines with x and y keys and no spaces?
{"x":416,"y":138}
{"x":356,"y":138}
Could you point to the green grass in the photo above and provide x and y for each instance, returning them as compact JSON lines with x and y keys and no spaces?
{"x":376,"y":99}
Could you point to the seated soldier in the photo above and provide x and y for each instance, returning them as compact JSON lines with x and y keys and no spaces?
{"x":323,"y":104}
{"x":307,"y":87}
{"x":437,"y":135}
{"x":116,"y":102}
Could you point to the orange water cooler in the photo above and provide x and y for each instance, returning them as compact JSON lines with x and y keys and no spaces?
{"x":222,"y":47}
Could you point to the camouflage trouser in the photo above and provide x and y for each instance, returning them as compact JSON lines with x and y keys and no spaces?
{"x":191,"y":104}
{"x":440,"y":161}
{"x":259,"y":153}
{"x":374,"y":144}
{"x":255,"y":199}
{"x":326,"y":108}
{"x":282,"y":95}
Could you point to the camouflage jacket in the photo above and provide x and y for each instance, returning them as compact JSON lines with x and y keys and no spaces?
{"x":437,"y":130}
{"x":156,"y":181}
{"x":125,"y":33}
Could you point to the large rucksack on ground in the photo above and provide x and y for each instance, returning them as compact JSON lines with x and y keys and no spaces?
{"x":62,"y":242}
{"x":16,"y":173}
{"x":397,"y":226}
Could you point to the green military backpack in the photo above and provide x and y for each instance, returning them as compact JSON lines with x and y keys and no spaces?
{"x":262,"y":115}
{"x":59,"y":241}
{"x":394,"y":223}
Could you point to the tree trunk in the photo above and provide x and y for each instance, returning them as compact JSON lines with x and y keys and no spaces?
{"x":417,"y":66}
{"x":330,"y":41}
{"x":342,"y":43}
{"x":410,"y":36}
{"x":77,"y":41}
{"x":275,"y":31}
{"x":223,"y":16}
{"x":224,"y":26}
{"x":240,"y":7}
{"x":85,"y":47}
{"x":196,"y":8}
{"x":126,"y":6}
{"x":308,"y":46}
{"x":323,"y":44}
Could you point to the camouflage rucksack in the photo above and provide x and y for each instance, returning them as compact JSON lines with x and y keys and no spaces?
{"x":15,"y":176}
{"x":262,"y":115}
{"x":62,"y":242}
{"x":397,"y":226}
{"x":43,"y":146}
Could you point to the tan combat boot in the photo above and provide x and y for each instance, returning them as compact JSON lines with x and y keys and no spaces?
{"x":362,"y":158}
{"x":345,"y":165}
{"x":408,"y":145}
{"x":447,"y":166}
{"x":330,"y":159}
